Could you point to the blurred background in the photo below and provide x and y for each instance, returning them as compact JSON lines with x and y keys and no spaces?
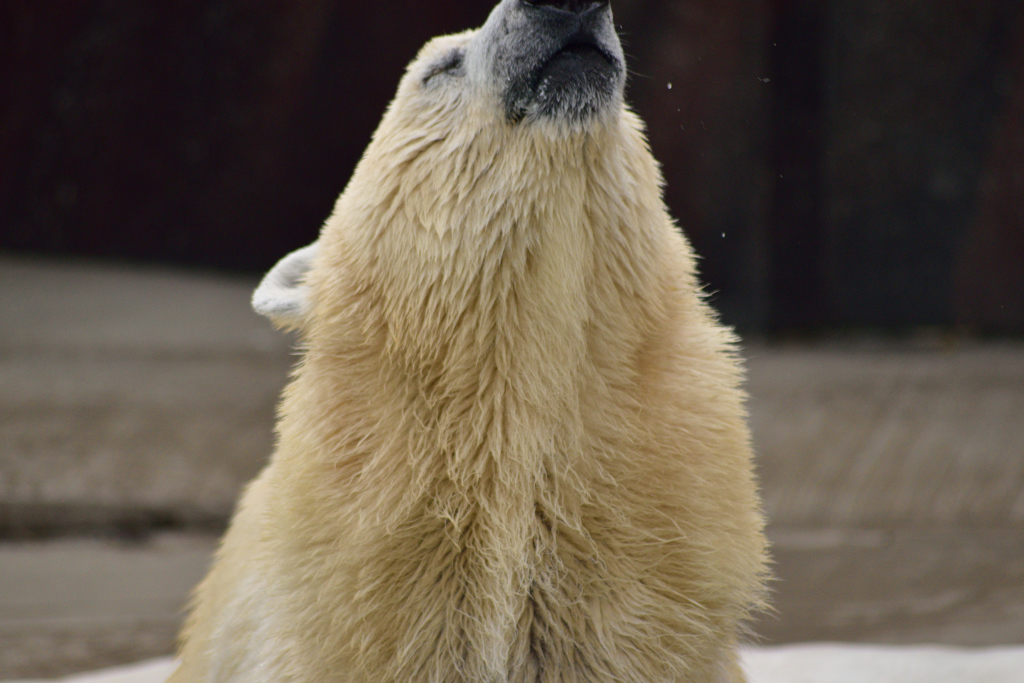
{"x":850,"y":172}
{"x":838,"y":164}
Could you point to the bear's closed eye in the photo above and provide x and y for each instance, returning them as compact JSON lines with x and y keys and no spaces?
{"x":450,"y":64}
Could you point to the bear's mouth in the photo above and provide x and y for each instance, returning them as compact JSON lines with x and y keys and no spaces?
{"x":575,"y":57}
{"x":574,"y":61}
{"x":575,"y":79}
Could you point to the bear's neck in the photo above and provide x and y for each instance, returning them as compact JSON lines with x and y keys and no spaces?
{"x":486,"y":308}
{"x":465,"y":313}
{"x":468,"y":332}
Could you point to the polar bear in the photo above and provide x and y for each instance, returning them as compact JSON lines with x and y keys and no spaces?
{"x":515,"y":447}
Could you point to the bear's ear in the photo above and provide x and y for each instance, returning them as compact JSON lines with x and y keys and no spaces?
{"x":282,"y":295}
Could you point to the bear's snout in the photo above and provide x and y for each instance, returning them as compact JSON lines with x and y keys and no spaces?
{"x":569,"y":22}
{"x":555,"y":59}
{"x":574,"y":6}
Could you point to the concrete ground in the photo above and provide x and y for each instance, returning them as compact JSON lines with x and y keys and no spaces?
{"x":134,"y":403}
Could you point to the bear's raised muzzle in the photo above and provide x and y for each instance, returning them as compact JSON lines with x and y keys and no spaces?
{"x":556,"y":59}
{"x":574,"y":7}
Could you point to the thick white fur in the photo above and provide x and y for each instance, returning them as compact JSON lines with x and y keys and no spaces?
{"x":515,"y":449}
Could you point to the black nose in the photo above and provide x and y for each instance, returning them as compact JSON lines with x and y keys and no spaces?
{"x":573,"y":6}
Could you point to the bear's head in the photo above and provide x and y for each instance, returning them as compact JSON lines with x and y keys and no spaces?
{"x":535,"y":69}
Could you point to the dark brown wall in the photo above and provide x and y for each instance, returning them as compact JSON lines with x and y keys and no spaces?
{"x":840,"y":164}
{"x":990,"y":275}
{"x":914,"y":93}
{"x":212,"y":133}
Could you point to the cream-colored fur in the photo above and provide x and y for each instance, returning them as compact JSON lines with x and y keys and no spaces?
{"x":515,"y":448}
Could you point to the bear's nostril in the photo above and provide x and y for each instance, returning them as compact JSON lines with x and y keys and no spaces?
{"x":574,"y":6}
